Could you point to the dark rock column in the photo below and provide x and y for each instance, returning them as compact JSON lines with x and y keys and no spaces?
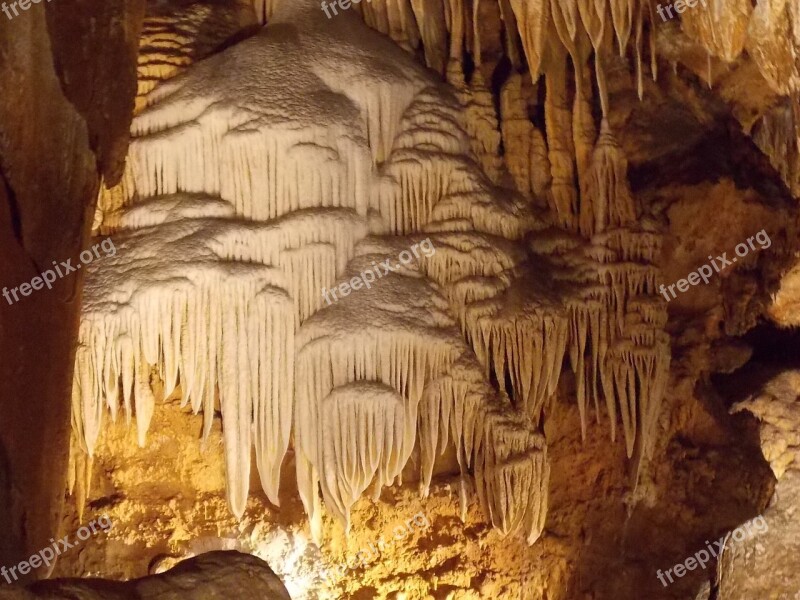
{"x":67,"y":84}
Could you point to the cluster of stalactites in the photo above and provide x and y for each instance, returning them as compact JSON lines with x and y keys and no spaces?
{"x":410,"y":377}
{"x":602,"y":249}
{"x":173,"y":37}
{"x":617,"y":346}
{"x":611,"y":328}
{"x":256,"y":215}
{"x":525,"y":345}
{"x":768,"y":30}
{"x":505,"y":451}
{"x":371,"y":424}
{"x":550,"y":32}
{"x":512,"y":331}
{"x":548,"y":28}
{"x":446,"y":29}
{"x":218,"y":334}
{"x":429,"y":181}
{"x":720,"y":26}
{"x":269,"y":173}
{"x":326,"y":370}
{"x":773,"y":41}
{"x":519,"y":335}
{"x":210,"y":303}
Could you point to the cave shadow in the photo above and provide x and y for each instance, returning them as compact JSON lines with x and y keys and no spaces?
{"x":9,"y":545}
{"x":693,"y":492}
{"x":700,"y":493}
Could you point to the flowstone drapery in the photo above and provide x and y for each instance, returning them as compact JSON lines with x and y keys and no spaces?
{"x":256,"y":180}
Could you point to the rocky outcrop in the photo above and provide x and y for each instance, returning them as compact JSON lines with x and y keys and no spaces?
{"x":766,"y":566}
{"x":209,"y":576}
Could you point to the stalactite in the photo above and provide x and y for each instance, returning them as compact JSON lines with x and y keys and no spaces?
{"x":622,"y":16}
{"x":606,"y":200}
{"x":720,"y":26}
{"x":584,"y":132}
{"x":480,"y":121}
{"x":653,"y":33}
{"x":513,"y":42}
{"x":566,"y":19}
{"x":594,"y":16}
{"x":563,"y":196}
{"x":403,"y":25}
{"x":430,"y":15}
{"x":778,"y":136}
{"x":455,"y":70}
{"x":79,"y":474}
{"x":774,"y":45}
{"x":533,"y":17}
{"x":541,"y":178}
{"x":517,"y":130}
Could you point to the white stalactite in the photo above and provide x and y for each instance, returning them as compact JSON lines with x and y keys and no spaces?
{"x":361,"y":442}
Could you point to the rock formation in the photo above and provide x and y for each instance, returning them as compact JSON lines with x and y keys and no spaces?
{"x":415,"y":257}
{"x":208,"y":576}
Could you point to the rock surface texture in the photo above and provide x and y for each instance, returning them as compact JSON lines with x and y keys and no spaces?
{"x":211,"y":576}
{"x":68,"y":79}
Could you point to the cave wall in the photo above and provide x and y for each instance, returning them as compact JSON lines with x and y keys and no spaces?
{"x":705,"y":477}
{"x":73,"y":131}
{"x":68,"y":81}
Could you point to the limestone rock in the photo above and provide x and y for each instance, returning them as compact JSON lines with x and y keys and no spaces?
{"x":206,"y":577}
